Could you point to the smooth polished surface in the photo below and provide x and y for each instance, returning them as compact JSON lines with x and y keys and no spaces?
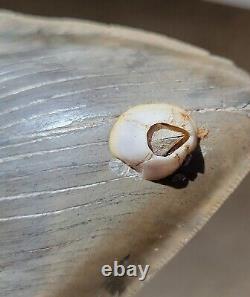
{"x":216,"y":262}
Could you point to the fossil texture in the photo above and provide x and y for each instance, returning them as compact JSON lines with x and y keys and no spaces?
{"x":63,"y":212}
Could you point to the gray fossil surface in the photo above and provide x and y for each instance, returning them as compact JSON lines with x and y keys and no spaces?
{"x":64,"y":210}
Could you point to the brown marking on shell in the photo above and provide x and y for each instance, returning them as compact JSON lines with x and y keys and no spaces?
{"x":187,"y":147}
{"x":202,"y":133}
{"x":163,"y":139}
{"x":178,"y":158}
{"x":185,"y":115}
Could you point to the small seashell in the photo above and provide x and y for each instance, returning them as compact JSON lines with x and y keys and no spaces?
{"x":153,"y":139}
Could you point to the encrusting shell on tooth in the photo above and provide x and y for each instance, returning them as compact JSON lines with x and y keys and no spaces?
{"x":153,"y":139}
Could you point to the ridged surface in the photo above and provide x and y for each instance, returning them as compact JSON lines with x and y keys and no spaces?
{"x":62,"y":85}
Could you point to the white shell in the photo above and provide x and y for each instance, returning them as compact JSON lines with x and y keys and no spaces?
{"x":132,"y":136}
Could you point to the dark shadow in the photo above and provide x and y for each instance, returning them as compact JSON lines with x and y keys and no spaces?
{"x":193,"y":165}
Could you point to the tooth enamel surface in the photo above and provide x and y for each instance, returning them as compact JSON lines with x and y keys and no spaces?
{"x":154,"y":139}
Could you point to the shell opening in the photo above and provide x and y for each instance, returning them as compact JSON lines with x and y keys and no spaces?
{"x":163,"y":139}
